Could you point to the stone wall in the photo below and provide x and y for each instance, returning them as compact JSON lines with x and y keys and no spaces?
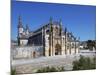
{"x":19,"y":52}
{"x":23,"y":42}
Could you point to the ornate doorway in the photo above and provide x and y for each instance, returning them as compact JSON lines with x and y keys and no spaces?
{"x":34,"y":54}
{"x":57,"y":49}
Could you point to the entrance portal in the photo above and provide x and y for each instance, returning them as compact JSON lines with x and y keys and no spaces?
{"x":57,"y":49}
{"x":34,"y":54}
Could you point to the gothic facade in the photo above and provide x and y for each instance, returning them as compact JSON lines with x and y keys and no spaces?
{"x":54,"y":39}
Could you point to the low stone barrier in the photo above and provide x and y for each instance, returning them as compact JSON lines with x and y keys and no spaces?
{"x":20,"y":52}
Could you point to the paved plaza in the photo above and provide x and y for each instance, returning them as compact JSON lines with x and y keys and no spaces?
{"x":31,"y":65}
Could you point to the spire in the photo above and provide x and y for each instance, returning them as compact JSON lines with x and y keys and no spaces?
{"x":51,"y":28}
{"x":60,"y":22}
{"x":68,"y":34}
{"x":75,"y":38}
{"x":20,"y":22}
{"x":78,"y":38}
{"x":19,"y":18}
{"x":71,"y":34}
{"x":27,"y":27}
{"x":65,"y":40}
{"x":65,"y":30}
{"x":60,"y":25}
{"x":50,"y":20}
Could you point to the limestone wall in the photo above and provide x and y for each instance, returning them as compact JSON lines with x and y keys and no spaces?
{"x":23,"y":42}
{"x":27,"y":52}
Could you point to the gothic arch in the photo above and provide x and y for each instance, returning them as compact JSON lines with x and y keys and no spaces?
{"x":57,"y":49}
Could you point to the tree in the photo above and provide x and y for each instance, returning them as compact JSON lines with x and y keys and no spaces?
{"x":91,"y":44}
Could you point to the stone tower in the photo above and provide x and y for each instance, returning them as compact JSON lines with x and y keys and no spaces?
{"x":27,"y":30}
{"x":22,"y":33}
{"x":20,"y":29}
{"x":20,"y":26}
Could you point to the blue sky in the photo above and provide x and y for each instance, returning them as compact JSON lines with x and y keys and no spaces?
{"x":79,"y":19}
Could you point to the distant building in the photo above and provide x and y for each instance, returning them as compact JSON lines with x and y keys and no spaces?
{"x":83,"y":45}
{"x":53,"y":39}
{"x":14,"y":43}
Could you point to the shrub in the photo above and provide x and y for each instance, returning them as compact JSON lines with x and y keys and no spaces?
{"x":84,"y":63}
{"x":50,"y":69}
{"x":13,"y":72}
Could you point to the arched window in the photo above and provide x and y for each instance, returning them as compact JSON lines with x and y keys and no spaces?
{"x":56,"y":30}
{"x":72,"y":45}
{"x":47,"y":31}
{"x":67,"y":45}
